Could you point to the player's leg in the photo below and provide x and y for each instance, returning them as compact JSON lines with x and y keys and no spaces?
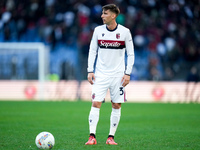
{"x":117,"y":97}
{"x":94,"y":117}
{"x":93,"y":121}
{"x":98,"y":94}
{"x":114,"y":118}
{"x":114,"y":121}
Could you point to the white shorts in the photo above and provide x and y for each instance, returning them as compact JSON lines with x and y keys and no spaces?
{"x":101,"y":86}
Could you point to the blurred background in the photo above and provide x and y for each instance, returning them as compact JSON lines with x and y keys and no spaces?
{"x":166,"y":36}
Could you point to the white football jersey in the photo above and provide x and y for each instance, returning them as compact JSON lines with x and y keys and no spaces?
{"x":110,"y":45}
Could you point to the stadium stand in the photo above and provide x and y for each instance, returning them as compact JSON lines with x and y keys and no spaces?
{"x":166,"y":35}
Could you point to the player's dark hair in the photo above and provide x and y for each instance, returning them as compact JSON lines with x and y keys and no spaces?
{"x":112,"y":7}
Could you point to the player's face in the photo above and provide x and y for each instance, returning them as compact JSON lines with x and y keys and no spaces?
{"x":107,"y":16}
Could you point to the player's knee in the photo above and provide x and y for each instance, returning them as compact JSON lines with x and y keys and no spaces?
{"x":116,"y":105}
{"x":96,"y":104}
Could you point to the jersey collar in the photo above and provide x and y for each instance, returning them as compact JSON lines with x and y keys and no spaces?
{"x":113,"y":29}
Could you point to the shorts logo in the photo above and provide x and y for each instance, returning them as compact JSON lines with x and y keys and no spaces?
{"x":93,"y":96}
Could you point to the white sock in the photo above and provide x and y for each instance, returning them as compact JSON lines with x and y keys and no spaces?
{"x":114,"y":120}
{"x":93,"y":119}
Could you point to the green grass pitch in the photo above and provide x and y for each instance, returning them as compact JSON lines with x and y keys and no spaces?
{"x":143,"y":126}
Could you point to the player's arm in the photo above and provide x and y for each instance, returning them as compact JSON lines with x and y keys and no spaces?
{"x":91,"y":77}
{"x":92,"y":57}
{"x":130,"y":59}
{"x":125,"y":80}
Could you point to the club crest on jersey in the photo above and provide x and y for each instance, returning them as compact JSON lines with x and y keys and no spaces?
{"x":118,"y":35}
{"x":103,"y":34}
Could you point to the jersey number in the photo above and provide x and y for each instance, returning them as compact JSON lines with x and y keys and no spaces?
{"x":121,"y":90}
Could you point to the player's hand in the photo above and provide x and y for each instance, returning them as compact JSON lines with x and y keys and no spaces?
{"x":125,"y":80}
{"x":91,"y":78}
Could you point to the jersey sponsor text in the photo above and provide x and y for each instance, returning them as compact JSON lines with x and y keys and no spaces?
{"x":111,"y":44}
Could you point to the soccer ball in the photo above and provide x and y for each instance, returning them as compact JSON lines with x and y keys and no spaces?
{"x":44,"y":140}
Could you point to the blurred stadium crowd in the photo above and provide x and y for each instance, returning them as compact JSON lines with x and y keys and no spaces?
{"x":166,"y":34}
